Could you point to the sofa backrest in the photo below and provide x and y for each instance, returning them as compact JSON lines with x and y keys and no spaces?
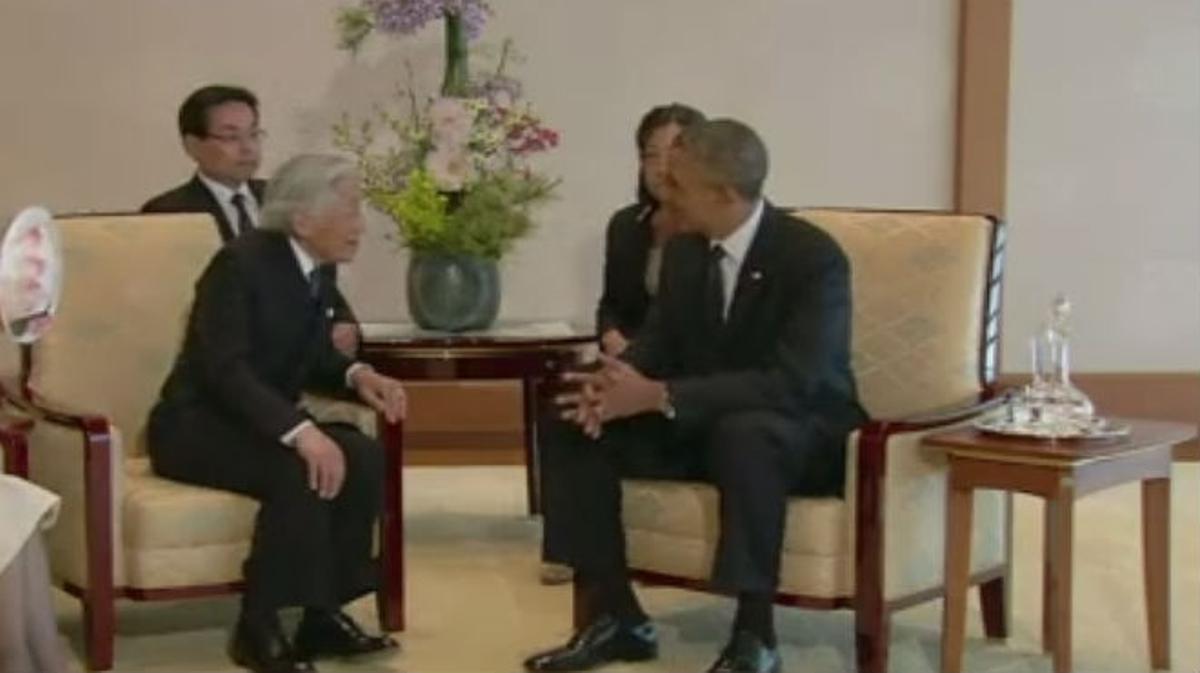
{"x":127,"y":286}
{"x":926,"y":294}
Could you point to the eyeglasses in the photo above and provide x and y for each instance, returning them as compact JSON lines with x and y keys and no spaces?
{"x":254,"y":137}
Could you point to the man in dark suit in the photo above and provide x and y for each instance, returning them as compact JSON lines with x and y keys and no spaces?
{"x":219,"y":128}
{"x":740,"y":377}
{"x":227,"y":418}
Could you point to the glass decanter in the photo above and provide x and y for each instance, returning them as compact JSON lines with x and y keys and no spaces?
{"x":1053,"y":400}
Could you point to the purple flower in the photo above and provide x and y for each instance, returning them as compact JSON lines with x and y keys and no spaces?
{"x":408,"y":16}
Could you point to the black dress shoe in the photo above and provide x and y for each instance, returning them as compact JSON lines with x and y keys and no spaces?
{"x":746,"y":653}
{"x":602,"y":641}
{"x":334,"y":634}
{"x":263,"y":648}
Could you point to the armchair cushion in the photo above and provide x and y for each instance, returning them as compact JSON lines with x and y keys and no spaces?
{"x":176,"y":535}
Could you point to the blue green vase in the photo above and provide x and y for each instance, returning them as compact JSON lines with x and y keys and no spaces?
{"x":453,"y":293}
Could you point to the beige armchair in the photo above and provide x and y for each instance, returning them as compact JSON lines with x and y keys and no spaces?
{"x":90,"y":383}
{"x":926,"y":293}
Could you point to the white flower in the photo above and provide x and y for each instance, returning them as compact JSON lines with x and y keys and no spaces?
{"x":450,"y":168}
{"x":450,"y":121}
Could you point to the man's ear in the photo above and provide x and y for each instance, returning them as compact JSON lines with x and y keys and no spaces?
{"x":302,"y":224}
{"x":728,"y":195}
{"x":191,"y":145}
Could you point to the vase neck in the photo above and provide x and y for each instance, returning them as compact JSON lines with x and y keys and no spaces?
{"x":456,"y":77}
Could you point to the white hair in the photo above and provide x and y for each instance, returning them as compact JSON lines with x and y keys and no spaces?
{"x":304,"y":184}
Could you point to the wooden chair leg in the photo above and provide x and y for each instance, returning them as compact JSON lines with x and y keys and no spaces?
{"x":98,"y":631}
{"x":873,"y":627}
{"x":993,"y":601}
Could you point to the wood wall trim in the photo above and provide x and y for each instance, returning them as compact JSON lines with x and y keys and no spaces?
{"x":981,"y":134}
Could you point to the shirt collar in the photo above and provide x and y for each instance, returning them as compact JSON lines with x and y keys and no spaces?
{"x":222,"y":191}
{"x":737,"y":243}
{"x":305,"y":260}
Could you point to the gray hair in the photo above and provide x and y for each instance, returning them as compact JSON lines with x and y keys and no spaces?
{"x":730,"y":152}
{"x":303,"y":184}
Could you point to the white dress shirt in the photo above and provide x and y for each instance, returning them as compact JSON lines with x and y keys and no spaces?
{"x":224,"y":196}
{"x":735,"y":247}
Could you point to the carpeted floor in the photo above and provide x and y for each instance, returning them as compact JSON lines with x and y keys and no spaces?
{"x":475,"y":603}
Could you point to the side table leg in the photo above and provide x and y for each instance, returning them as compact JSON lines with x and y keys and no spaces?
{"x":960,"y":504}
{"x":1061,"y":514}
{"x":390,"y":599}
{"x":530,"y":390}
{"x":1156,"y":553}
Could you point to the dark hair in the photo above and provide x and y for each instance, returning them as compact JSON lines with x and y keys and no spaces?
{"x":193,"y":114}
{"x":730,"y":152}
{"x":679,"y":114}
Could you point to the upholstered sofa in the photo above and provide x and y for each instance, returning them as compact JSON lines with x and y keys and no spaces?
{"x":926,"y":294}
{"x":90,"y":383}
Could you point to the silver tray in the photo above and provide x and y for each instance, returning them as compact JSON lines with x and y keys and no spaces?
{"x":1098,"y":428}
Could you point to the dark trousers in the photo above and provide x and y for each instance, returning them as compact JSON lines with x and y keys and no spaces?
{"x":755,"y":459}
{"x":306,"y":551}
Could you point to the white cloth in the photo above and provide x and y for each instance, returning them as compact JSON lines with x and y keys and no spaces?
{"x":25,"y":509}
{"x":735,"y":247}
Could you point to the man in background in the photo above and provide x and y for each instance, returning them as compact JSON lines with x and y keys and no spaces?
{"x":219,"y":129}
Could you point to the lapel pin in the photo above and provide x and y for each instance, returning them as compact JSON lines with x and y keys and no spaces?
{"x":329,"y":313}
{"x":756,"y":275}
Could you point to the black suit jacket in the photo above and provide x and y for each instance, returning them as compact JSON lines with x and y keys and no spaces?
{"x":625,"y":301}
{"x":256,"y":338}
{"x":785,"y":346}
{"x":194,"y":197}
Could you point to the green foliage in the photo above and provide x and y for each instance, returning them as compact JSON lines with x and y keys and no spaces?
{"x":484,"y":221}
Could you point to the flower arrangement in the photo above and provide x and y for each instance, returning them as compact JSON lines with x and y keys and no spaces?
{"x":453,"y":170}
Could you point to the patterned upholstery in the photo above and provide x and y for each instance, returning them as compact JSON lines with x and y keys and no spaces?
{"x":918,"y":283}
{"x":128,"y":286}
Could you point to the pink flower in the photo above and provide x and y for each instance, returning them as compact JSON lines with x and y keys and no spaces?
{"x":449,"y":167}
{"x":450,"y":121}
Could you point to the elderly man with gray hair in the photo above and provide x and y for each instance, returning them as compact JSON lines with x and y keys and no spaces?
{"x":257,"y":336}
{"x":739,"y":377}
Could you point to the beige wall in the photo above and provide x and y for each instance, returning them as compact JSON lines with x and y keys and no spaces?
{"x":1104,"y":180}
{"x":855,"y":99}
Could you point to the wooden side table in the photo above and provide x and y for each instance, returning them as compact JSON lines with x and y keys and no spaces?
{"x":1061,"y":471}
{"x":532,"y":353}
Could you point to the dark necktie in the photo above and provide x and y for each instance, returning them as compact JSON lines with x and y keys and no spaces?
{"x":314,"y":283}
{"x":715,"y":287}
{"x":243,"y":223}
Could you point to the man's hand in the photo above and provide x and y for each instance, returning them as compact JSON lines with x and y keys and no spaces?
{"x":382,"y":393}
{"x":613,"y":342}
{"x":345,"y":338}
{"x":326,"y":464}
{"x":618,"y":390}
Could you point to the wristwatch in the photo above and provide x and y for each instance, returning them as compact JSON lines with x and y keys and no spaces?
{"x":667,"y":407}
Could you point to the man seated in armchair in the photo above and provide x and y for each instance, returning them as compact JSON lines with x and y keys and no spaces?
{"x":741,"y":376}
{"x":258,"y":334}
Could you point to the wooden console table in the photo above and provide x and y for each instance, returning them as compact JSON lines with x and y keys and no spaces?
{"x":1061,"y":471}
{"x":529,"y":352}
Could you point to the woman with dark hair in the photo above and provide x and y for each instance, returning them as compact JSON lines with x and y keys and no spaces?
{"x":637,"y":232}
{"x":632,"y":251}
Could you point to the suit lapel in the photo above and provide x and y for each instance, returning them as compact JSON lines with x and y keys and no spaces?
{"x":205,"y":198}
